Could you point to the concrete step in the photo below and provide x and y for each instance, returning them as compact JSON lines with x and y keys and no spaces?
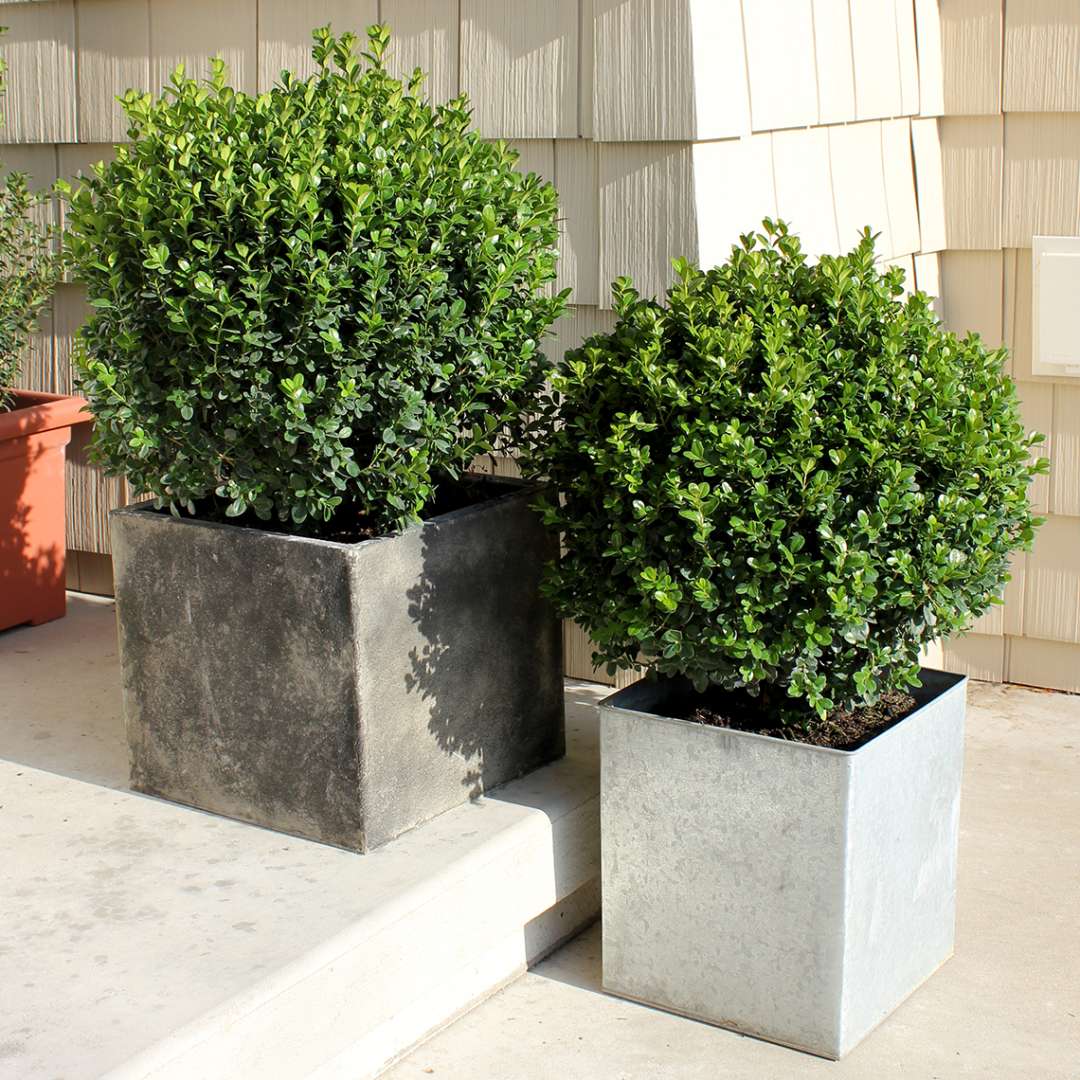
{"x":143,"y":939}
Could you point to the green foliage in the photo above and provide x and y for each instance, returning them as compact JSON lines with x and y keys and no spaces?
{"x":28,"y":269}
{"x":330,"y":295}
{"x":788,"y":479}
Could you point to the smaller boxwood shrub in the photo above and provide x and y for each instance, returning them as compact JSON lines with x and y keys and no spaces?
{"x":28,"y":269}
{"x":786,"y":481}
{"x":322,"y":300}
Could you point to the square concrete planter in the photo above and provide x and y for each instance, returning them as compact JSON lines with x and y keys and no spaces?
{"x":340,"y":692}
{"x":791,"y":892}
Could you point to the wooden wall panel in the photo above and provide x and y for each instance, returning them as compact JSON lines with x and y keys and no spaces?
{"x":928,"y":276}
{"x":931,"y":73}
{"x":1037,"y":410}
{"x":39,"y":47}
{"x":70,"y":311}
{"x":779,"y":37}
{"x":669,"y":70}
{"x":1052,"y":582}
{"x":1042,"y":177}
{"x":643,"y":78}
{"x":1042,"y":56}
{"x":577,"y":177}
{"x":114,"y":56}
{"x":908,"y":56}
{"x":190,"y":32}
{"x":1064,"y":479}
{"x":285,"y":28}
{"x":979,"y":656}
{"x":519,"y":66}
{"x":90,"y":497}
{"x":971,"y":285}
{"x":734,"y":191}
{"x":929,"y":178}
{"x":425,"y":35}
{"x":859,"y":184}
{"x":835,"y":65}
{"x":899,"y":169}
{"x":1051,"y":664}
{"x":647,"y":213}
{"x":971,"y":168}
{"x":878,"y":89}
{"x":804,"y":192}
{"x":971,"y":56}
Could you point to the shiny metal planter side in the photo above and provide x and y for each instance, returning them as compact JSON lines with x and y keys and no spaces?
{"x":791,"y":892}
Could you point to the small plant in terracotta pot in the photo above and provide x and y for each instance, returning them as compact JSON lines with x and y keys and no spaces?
{"x":774,"y":490}
{"x":35,"y":427}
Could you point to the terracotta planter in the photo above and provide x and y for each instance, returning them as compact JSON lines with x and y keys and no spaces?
{"x":33,"y":435}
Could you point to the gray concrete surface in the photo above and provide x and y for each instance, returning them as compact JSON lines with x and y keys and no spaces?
{"x":1006,"y":1007}
{"x":141,"y":938}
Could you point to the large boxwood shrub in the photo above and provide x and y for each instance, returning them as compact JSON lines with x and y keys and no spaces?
{"x":787,"y":479}
{"x":326,"y":298}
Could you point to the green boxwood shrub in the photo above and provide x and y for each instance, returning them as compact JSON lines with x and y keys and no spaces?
{"x":788,"y":479}
{"x":323,"y":299}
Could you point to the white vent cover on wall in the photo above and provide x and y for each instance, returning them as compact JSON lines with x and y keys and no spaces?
{"x":1055,"y":306}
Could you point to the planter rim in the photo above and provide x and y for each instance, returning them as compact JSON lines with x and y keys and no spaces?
{"x":516,"y":489}
{"x":945,"y":682}
{"x":35,"y":412}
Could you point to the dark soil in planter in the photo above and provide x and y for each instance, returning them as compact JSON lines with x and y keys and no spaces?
{"x":841,"y":729}
{"x":349,"y":525}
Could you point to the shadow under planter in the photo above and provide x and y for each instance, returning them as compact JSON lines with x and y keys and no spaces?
{"x":792,"y":892}
{"x":340,"y":692}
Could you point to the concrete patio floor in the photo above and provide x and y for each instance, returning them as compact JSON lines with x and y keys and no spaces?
{"x":1005,"y":1007}
{"x":141,"y":939}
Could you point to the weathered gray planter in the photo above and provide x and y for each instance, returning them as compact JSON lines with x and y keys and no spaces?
{"x":341,"y":692}
{"x":791,"y":892}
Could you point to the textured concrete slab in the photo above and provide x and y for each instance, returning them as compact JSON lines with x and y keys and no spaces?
{"x":1006,"y":1006}
{"x":143,"y":939}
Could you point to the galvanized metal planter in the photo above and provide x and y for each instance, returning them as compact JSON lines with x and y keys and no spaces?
{"x":341,"y":692}
{"x":791,"y":892}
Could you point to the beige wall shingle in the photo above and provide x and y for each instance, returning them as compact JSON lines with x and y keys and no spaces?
{"x":114,"y":56}
{"x":519,"y":66}
{"x":971,"y":169}
{"x":577,"y":177}
{"x":648,"y":213}
{"x":39,"y":47}
{"x":285,"y":32}
{"x":971,"y":57}
{"x":804,"y":194}
{"x":1052,"y":582}
{"x":779,"y":38}
{"x":425,"y":35}
{"x":1042,"y":56}
{"x":835,"y":65}
{"x":669,"y":70}
{"x":1042,"y":177}
{"x":191,"y":32}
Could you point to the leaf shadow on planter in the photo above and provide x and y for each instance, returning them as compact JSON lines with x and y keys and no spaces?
{"x":486,"y":659}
